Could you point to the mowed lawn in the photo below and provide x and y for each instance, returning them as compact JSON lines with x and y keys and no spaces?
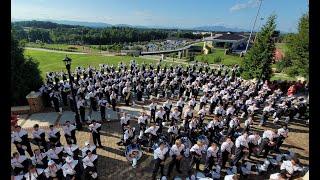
{"x":228,"y":60}
{"x":52,"y":61}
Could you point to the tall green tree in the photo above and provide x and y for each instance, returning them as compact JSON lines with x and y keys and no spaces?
{"x":25,"y":74}
{"x":298,"y":49}
{"x":257,"y":61}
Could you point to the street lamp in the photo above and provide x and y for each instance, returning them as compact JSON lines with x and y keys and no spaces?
{"x":67,"y":62}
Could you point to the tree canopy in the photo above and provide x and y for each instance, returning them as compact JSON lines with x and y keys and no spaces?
{"x":298,"y":50}
{"x":257,"y":61}
{"x":26,"y":74}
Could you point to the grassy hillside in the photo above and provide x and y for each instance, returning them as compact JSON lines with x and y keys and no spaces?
{"x":51,"y":61}
{"x":227,"y":60}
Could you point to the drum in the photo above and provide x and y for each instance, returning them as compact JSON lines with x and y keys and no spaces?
{"x":133,"y":151}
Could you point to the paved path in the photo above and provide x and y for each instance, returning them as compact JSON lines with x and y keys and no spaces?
{"x":56,"y":51}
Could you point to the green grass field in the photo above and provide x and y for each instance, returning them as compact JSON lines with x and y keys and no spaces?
{"x":52,"y":61}
{"x":63,"y":47}
{"x":227,"y":60}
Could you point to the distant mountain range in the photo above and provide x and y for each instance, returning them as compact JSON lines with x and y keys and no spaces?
{"x":104,"y":25}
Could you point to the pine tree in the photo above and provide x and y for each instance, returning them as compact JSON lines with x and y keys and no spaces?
{"x":298,"y":49}
{"x":257,"y":61}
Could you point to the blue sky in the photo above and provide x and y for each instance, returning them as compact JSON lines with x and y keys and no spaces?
{"x":172,"y":13}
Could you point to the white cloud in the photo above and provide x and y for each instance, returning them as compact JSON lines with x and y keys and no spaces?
{"x":241,"y":6}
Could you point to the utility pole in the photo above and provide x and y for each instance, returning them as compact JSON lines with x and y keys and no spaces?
{"x":254,"y":24}
{"x":255,"y":37}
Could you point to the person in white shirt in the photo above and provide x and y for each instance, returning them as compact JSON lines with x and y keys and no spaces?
{"x":95,"y":128}
{"x":267,"y":142}
{"x":90,"y":165}
{"x":175,"y":115}
{"x":290,"y":168}
{"x":253,"y":142}
{"x":82,"y":108}
{"x":202,"y":113}
{"x":160,"y":155}
{"x":226,"y":148}
{"x":142,"y":121}
{"x":54,"y":135}
{"x":71,"y":150}
{"x":153,"y":108}
{"x":124,"y":120}
{"x":39,"y":137}
{"x":128,"y":135}
{"x":53,"y":171}
{"x":20,"y":138}
{"x":241,"y":148}
{"x":103,"y":105}
{"x":173,"y":131}
{"x":19,"y":163}
{"x":180,"y":105}
{"x":219,"y":111}
{"x":196,"y":152}
{"x":265,"y":114}
{"x":71,"y":169}
{"x":212,"y":156}
{"x":88,"y":146}
{"x":34,"y":173}
{"x":248,"y":123}
{"x":234,"y":124}
{"x":39,"y":159}
{"x":203,"y":100}
{"x":192,"y":103}
{"x":152,"y":133}
{"x":282,"y":135}
{"x":167,"y":107}
{"x":70,"y":132}
{"x":176,"y":153}
{"x":160,"y":117}
{"x":232,"y":177}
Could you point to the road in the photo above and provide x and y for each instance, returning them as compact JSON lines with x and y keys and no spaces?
{"x":56,"y":51}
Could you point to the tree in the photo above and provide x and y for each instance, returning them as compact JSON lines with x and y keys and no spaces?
{"x":257,"y":61}
{"x":298,"y":49}
{"x":25,"y":75}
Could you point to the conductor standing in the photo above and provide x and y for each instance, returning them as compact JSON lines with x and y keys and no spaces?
{"x":95,"y":128}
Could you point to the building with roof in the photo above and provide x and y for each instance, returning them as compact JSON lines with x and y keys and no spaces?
{"x":236,"y":41}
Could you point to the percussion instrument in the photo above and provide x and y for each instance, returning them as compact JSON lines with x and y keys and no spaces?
{"x":133,"y":151}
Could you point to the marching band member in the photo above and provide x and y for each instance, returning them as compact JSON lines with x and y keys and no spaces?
{"x":160,"y":117}
{"x":160,"y":155}
{"x":55,"y":154}
{"x":39,"y":137}
{"x":124,"y":120}
{"x":175,"y":115}
{"x":282,"y":134}
{"x":167,"y":107}
{"x":152,"y":133}
{"x":103,"y":104}
{"x":212,"y":155}
{"x":34,"y":173}
{"x":153,"y":108}
{"x":176,"y":153}
{"x":267,"y":142}
{"x":88,"y":146}
{"x":71,"y":150}
{"x":241,"y":147}
{"x":142,"y":121}
{"x":39,"y":159}
{"x":71,"y":169}
{"x":21,"y":140}
{"x":54,"y":135}
{"x":126,"y":93}
{"x":95,"y":128}
{"x":180,"y":105}
{"x":53,"y":171}
{"x":19,"y":163}
{"x":70,"y":132}
{"x":90,"y":165}
{"x":226,"y":148}
{"x":253,"y":142}
{"x":128,"y":135}
{"x":196,"y":152}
